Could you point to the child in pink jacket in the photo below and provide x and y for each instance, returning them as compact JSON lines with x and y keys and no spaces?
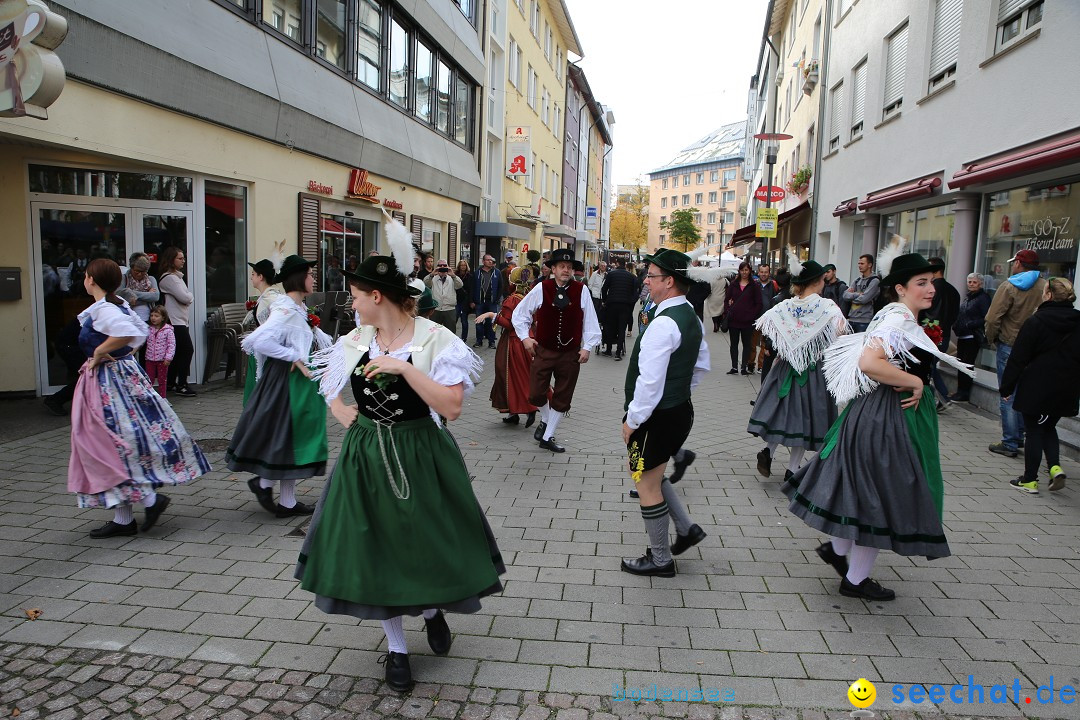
{"x":160,"y":348}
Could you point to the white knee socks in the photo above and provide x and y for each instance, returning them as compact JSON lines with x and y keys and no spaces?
{"x":288,"y":494}
{"x":772,"y":449}
{"x":841,"y":546}
{"x":395,"y":635}
{"x":796,"y":458}
{"x":266,"y":484}
{"x":554,"y":416}
{"x":430,"y":613}
{"x":860,"y":563}
{"x":122,"y":515}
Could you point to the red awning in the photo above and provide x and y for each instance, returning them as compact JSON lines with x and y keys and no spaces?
{"x":331,"y":225}
{"x":846,"y":208}
{"x":1043,"y":156}
{"x":743,"y":236}
{"x":920,"y":188}
{"x":228,"y":206}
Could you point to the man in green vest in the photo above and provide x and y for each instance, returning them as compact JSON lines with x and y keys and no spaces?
{"x":668,"y":361}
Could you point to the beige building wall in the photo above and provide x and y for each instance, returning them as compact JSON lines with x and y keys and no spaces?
{"x":718,"y":199}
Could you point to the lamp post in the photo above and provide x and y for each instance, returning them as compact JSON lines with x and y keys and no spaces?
{"x":771,"y":151}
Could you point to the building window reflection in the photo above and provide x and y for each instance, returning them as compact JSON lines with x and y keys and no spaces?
{"x":330,"y":32}
{"x":368,"y":42}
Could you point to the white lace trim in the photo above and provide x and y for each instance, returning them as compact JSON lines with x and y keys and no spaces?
{"x":802,"y":329}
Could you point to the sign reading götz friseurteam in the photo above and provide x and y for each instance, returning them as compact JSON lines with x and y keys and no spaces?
{"x":31,"y":75}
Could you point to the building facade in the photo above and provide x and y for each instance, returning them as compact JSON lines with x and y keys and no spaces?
{"x":586,"y":144}
{"x":227,"y":134}
{"x":708,"y":176}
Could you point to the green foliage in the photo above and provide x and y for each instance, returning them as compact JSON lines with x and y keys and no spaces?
{"x":683,"y":233}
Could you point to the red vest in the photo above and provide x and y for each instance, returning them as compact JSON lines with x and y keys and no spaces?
{"x":560,"y":329}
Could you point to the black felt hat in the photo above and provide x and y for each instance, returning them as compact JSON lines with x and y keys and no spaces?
{"x":381,"y":273}
{"x":560,"y":255}
{"x":291,"y":265}
{"x":426,"y":303}
{"x":266,"y":269}
{"x":810,"y":271}
{"x":671,"y":261}
{"x":907,"y":266}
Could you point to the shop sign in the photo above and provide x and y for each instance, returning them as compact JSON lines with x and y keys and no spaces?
{"x":518,"y":151}
{"x":1051,"y":239}
{"x":525,"y":247}
{"x":766,"y":222}
{"x":31,"y":75}
{"x":360,"y":188}
{"x":315,"y":186}
{"x":590,"y":217}
{"x":771,"y":193}
{"x":393,"y":204}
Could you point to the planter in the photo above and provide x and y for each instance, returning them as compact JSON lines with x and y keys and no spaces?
{"x":810,"y":82}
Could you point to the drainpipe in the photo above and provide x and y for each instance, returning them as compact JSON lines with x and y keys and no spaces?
{"x":826,"y":45}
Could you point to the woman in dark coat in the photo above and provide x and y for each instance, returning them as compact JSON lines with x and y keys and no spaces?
{"x":743,"y":308}
{"x":1044,"y":373}
{"x":969,"y":329}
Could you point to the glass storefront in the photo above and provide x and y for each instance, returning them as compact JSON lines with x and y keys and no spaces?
{"x":346,"y":241}
{"x":928,"y":230}
{"x":1034,"y":218}
{"x":226,"y":244}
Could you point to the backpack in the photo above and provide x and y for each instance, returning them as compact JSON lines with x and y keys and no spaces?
{"x":879,"y":301}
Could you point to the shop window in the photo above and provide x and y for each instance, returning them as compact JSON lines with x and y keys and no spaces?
{"x":345,"y":242}
{"x":330,"y":31}
{"x":57,"y":180}
{"x":225,"y":243}
{"x":399,"y":64}
{"x":368,"y":42}
{"x":422,"y":83}
{"x":1016,"y":19}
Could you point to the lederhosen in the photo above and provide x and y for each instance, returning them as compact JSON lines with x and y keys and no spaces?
{"x":560,"y":322}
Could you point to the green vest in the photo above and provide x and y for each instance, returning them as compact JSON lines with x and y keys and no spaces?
{"x":680,"y":370}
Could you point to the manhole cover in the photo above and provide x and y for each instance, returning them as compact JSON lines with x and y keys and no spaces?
{"x":213,"y":444}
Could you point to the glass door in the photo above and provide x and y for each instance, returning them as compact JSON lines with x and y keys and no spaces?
{"x":66,"y":238}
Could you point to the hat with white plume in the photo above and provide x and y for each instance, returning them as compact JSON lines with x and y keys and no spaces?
{"x":390,"y":272}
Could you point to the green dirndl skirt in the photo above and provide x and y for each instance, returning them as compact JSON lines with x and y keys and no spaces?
{"x":249,"y":378}
{"x":398,"y":529}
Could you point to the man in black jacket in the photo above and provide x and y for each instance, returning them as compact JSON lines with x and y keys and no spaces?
{"x":834,"y":289}
{"x":618,"y":295}
{"x":945,"y":309}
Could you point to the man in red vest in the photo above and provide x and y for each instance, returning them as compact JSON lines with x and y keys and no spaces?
{"x":566,"y":327}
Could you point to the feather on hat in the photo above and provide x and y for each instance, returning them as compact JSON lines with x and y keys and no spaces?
{"x":400,"y":241}
{"x":795,"y":266}
{"x":278,"y":256}
{"x":896,"y":247}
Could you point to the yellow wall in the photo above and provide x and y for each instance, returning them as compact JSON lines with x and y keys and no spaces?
{"x":95,"y":127}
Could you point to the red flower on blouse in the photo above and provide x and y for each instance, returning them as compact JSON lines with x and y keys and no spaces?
{"x":933,"y":330}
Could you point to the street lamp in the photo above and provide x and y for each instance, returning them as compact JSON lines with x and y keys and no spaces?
{"x":770,"y":159}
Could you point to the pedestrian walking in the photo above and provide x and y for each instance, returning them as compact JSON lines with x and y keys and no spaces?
{"x":1042,"y":379}
{"x":263,"y":276}
{"x":596,"y":285}
{"x":770,"y":290}
{"x":943,"y":311}
{"x":794,"y":408}
{"x":744,"y":307}
{"x":668,"y":361}
{"x":1014,"y":302}
{"x":160,"y":348}
{"x":863,"y":294}
{"x":138,"y":280}
{"x":487,"y":298}
{"x":444,"y":285}
{"x":618,"y":295}
{"x":714,"y":303}
{"x":876,"y":484}
{"x":281,"y":435}
{"x":566,"y":329}
{"x":464,"y":297}
{"x":177,"y":299}
{"x":126,"y":441}
{"x":398,"y":530}
{"x":970,"y":329}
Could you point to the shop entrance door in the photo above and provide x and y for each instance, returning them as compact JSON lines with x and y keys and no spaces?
{"x":67,"y":237}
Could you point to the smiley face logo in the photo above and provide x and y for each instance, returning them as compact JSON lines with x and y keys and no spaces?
{"x":862,"y":693}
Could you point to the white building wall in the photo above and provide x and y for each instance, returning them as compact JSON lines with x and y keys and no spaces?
{"x":494,"y":111}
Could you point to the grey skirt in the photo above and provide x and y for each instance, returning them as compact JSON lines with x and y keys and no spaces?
{"x":869,"y":486}
{"x":802,"y":417}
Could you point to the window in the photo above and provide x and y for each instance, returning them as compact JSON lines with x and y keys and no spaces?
{"x":674,"y":201}
{"x":520,"y":5}
{"x":462,"y":113}
{"x":663,"y":218}
{"x":895,"y":66}
{"x":529,"y":178}
{"x":817,"y":38}
{"x":534,"y":22}
{"x":663,"y":239}
{"x":729,"y":176}
{"x":545,"y":108}
{"x":663,"y":202}
{"x":422,"y":81}
{"x":697,"y":218}
{"x":686,"y":180}
{"x":729,"y":196}
{"x":399,"y":64}
{"x":1016,"y":18}
{"x":663,"y":184}
{"x":858,"y":100}
{"x":701,"y":178}
{"x":711,"y":218}
{"x":729,"y":217}
{"x":285,"y":16}
{"x":442,"y":99}
{"x":836,"y":101}
{"x":557,"y":121}
{"x":532,"y":88}
{"x":554,"y":185}
{"x":714,"y":176}
{"x":368,"y":41}
{"x":710,"y":238}
{"x":842,"y":6}
{"x":543,"y":179}
{"x":698,"y":198}
{"x":558,"y":63}
{"x":686,"y":200}
{"x":547,"y":42}
{"x":674,"y":181}
{"x":946,"y":41}
{"x":712,"y":198}
{"x":466,"y":7}
{"x":330,"y":32}
{"x":515,"y":64}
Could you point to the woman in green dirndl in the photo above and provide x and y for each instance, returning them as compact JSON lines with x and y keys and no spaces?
{"x":794,"y":408}
{"x":281,"y":435}
{"x":263,"y":275}
{"x":876,"y":484}
{"x":398,"y":530}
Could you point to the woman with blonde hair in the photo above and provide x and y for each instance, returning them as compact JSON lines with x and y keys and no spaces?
{"x":1043,"y":373}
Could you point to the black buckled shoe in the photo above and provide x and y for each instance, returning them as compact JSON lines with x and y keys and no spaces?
{"x":682,"y":543}
{"x":839,"y":562}
{"x":154,"y":511}
{"x":645,"y":565}
{"x":868,"y":589}
{"x":438,"y":634}
{"x":111,"y":529}
{"x":764,"y":463}
{"x":512,"y":419}
{"x":689,"y":456}
{"x":530,"y":419}
{"x":298,"y":509}
{"x":538,"y":433}
{"x":398,"y":673}
{"x":265,"y":496}
{"x":552,"y":446}
{"x":788,"y":475}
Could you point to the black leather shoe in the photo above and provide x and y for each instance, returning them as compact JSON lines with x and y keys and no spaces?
{"x":684,"y":542}
{"x":634,"y":494}
{"x":764,"y":463}
{"x":552,"y":446}
{"x":788,"y":475}
{"x":606,"y":353}
{"x":398,"y":672}
{"x":645,"y":565}
{"x":298,"y":509}
{"x":618,"y":357}
{"x":733,"y":371}
{"x":538,"y":433}
{"x":747,"y":371}
{"x":438,"y":634}
{"x":689,"y":456}
{"x":868,"y":589}
{"x":154,"y":511}
{"x":530,"y":419}
{"x":839,"y":562}
{"x":265,"y":496}
{"x":111,"y":529}
{"x":512,"y":419}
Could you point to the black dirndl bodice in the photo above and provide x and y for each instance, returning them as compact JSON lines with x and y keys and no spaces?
{"x":922,"y":369}
{"x":397,"y":403}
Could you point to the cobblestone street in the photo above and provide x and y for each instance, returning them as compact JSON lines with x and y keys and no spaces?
{"x":201,"y":617}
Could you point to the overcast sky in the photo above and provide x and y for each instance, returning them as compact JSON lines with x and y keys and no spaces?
{"x":671,"y":71}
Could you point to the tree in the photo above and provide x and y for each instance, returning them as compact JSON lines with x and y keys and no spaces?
{"x":629,"y":223}
{"x":683,"y":234}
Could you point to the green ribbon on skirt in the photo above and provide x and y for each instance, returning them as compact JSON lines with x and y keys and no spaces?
{"x":800,"y":378}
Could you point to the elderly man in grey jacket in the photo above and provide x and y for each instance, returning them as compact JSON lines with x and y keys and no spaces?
{"x":444,"y":286}
{"x":862,"y":294}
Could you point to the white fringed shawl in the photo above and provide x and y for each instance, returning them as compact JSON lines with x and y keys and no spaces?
{"x":895,"y":330}
{"x":802,"y":328}
{"x":287,"y":330}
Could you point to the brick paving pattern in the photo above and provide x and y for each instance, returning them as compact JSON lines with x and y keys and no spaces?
{"x":201,"y":617}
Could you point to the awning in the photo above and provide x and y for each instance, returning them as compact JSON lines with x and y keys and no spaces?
{"x":562,"y":231}
{"x":1043,"y":156}
{"x":846,"y":208}
{"x":745,"y":235}
{"x":228,"y":206}
{"x":792,"y":214}
{"x":497,"y":229}
{"x":920,"y":188}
